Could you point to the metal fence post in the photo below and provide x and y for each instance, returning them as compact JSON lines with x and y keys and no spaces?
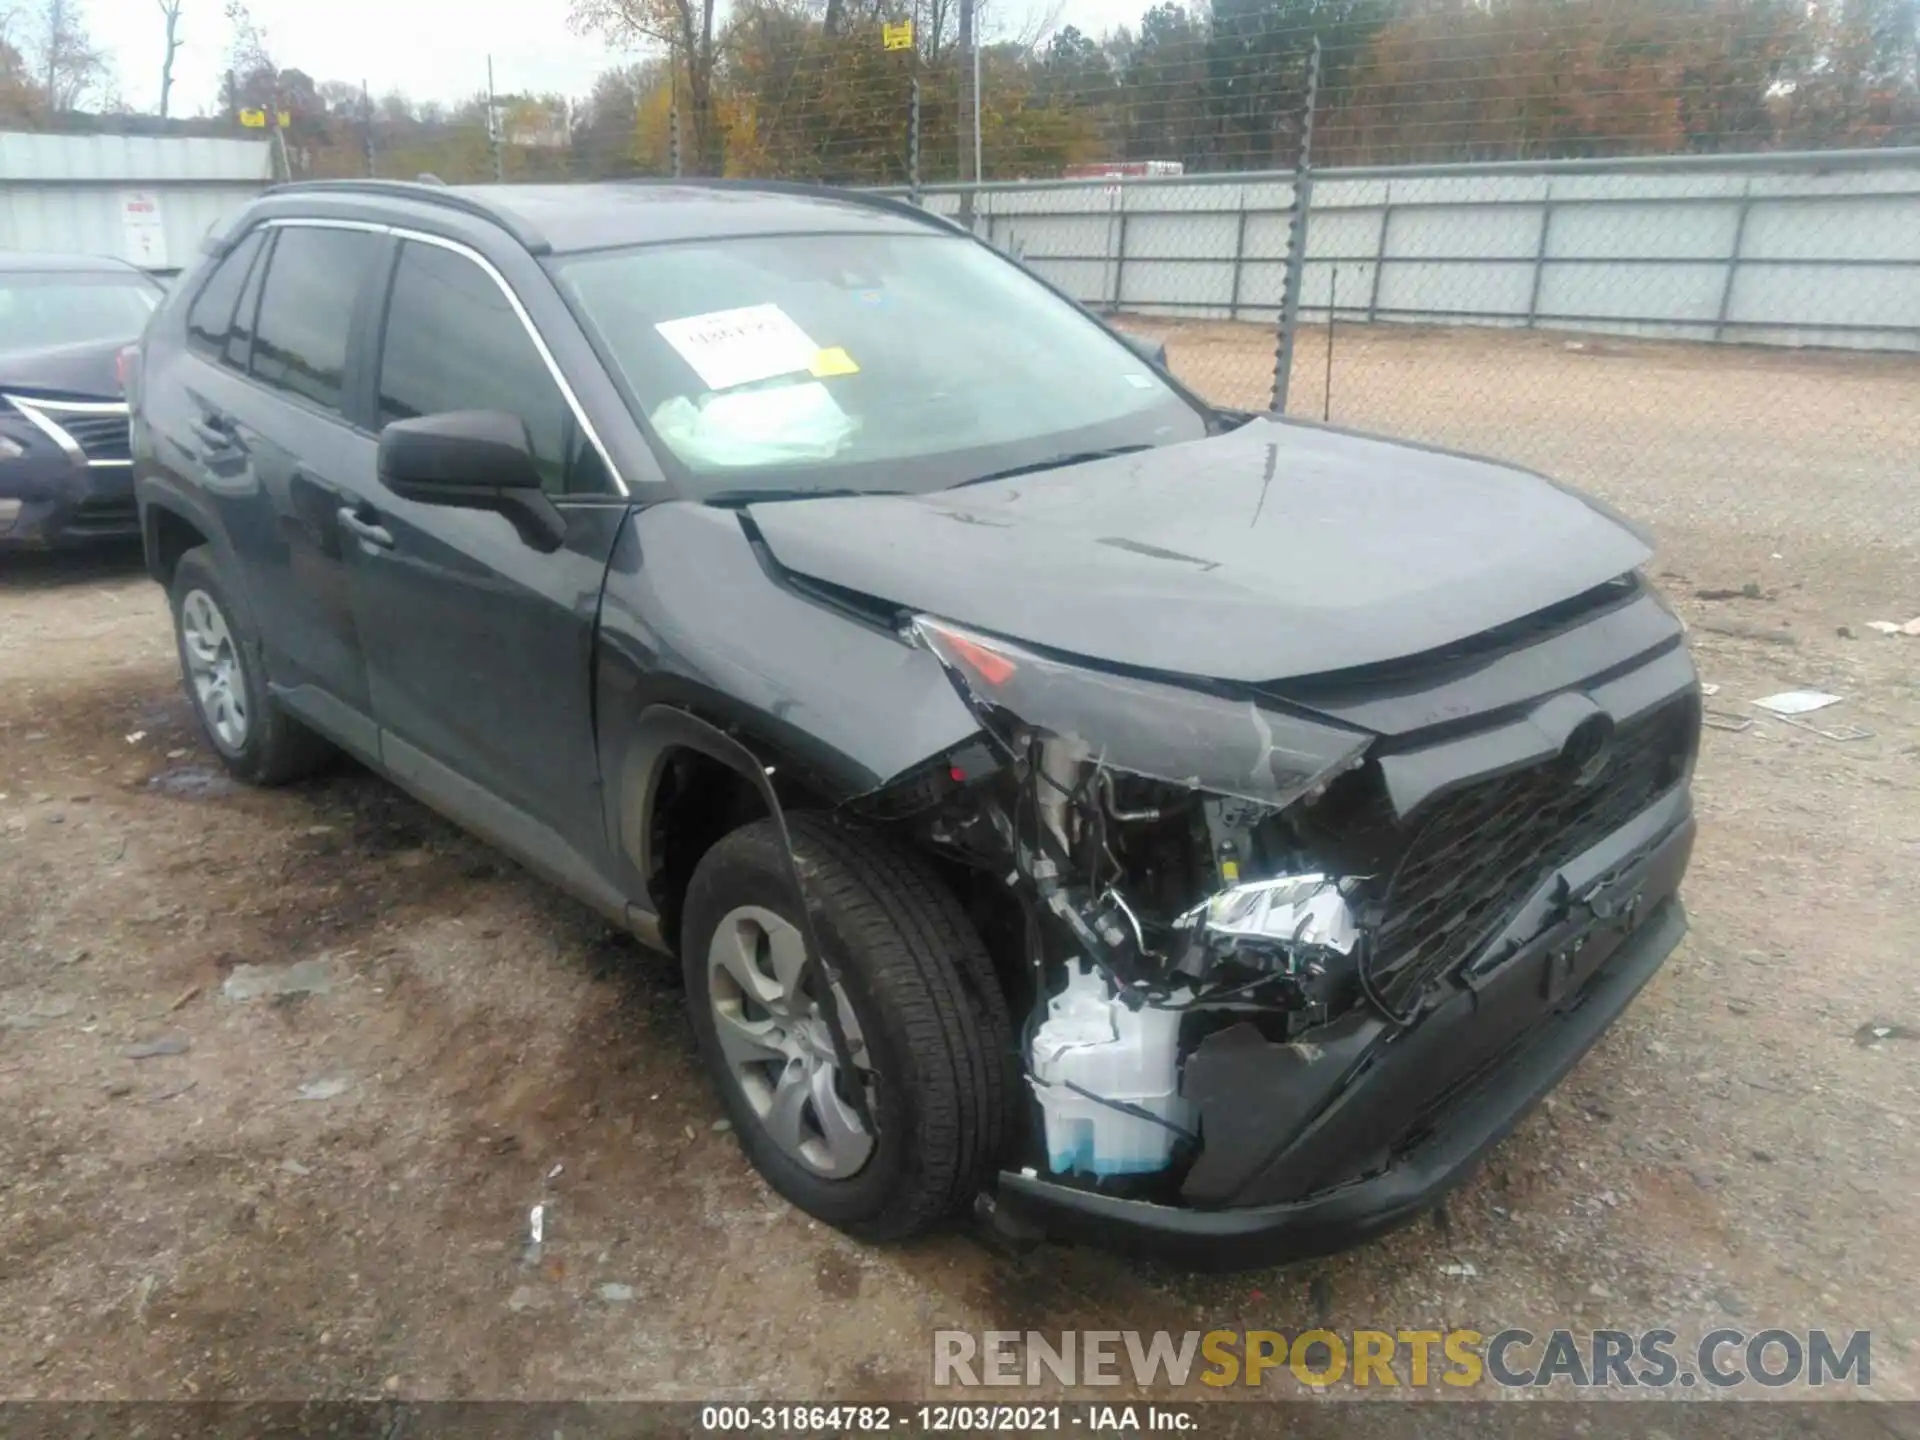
{"x":673,"y":139}
{"x":1239,"y":257}
{"x":1297,"y":240}
{"x":1733,"y":260}
{"x":1119,"y":249}
{"x":913,"y":141}
{"x":1540,"y":254}
{"x":493,"y":129}
{"x":1380,"y":252}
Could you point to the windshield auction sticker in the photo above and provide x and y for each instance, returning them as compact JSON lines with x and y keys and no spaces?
{"x":737,"y":347}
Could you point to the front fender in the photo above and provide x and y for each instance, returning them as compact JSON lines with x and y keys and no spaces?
{"x":693,"y":620}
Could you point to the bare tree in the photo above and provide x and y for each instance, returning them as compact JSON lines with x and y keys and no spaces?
{"x":170,"y":10}
{"x":71,"y":66}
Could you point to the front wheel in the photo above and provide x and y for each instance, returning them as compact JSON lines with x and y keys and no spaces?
{"x":928,"y":1047}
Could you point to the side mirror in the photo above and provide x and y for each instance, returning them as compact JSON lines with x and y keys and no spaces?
{"x":472,"y":460}
{"x":1154,"y":352}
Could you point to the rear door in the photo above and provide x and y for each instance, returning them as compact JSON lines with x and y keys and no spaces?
{"x":479,"y":648}
{"x":269,"y":395}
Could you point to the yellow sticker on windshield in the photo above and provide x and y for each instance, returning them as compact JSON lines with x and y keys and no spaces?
{"x":832,"y":361}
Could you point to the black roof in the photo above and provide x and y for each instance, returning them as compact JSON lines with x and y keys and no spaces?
{"x":563,"y":218}
{"x":14,"y":262}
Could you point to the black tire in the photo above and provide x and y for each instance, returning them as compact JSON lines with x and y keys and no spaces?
{"x":924,"y":996}
{"x":275,"y":748}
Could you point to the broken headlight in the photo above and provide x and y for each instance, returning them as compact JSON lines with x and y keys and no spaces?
{"x":1185,"y":738}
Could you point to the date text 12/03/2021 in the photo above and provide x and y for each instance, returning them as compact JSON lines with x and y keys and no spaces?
{"x":949,"y":1419}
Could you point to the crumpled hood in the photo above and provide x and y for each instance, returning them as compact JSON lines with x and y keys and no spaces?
{"x":1277,"y":550}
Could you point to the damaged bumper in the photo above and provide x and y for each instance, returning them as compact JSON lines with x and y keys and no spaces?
{"x":1340,"y":1139}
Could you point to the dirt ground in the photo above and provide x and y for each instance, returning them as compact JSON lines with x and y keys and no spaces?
{"x":328,"y":1193}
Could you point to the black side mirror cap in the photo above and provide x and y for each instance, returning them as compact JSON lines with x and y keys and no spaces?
{"x":472,"y":460}
{"x":1154,"y":352}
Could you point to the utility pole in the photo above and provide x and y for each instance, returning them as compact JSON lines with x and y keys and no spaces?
{"x":277,"y":137}
{"x":493,"y":128}
{"x":979,"y":173}
{"x":366,"y":115}
{"x":966,"y":110}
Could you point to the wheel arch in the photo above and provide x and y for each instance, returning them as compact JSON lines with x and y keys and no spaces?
{"x":168,"y":531}
{"x":684,"y":784}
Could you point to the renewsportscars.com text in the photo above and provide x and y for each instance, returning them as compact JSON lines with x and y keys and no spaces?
{"x":1513,"y":1358}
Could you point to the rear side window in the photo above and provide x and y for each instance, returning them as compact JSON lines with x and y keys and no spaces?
{"x":306,"y":311}
{"x":211,"y":317}
{"x":452,"y":342}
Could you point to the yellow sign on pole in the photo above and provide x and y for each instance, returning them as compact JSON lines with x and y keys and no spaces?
{"x":897,"y":37}
{"x":257,"y":119}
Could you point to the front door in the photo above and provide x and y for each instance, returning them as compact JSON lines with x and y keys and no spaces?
{"x":479,"y":648}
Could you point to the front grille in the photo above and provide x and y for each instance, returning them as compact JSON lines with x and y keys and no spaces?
{"x":100,"y":437}
{"x":105,"y":515}
{"x":1477,"y":854}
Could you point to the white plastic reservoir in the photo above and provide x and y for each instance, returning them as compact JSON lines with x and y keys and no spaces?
{"x":1092,"y":1043}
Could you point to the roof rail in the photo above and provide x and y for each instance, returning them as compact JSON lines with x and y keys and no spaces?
{"x":873,"y":200}
{"x":432,"y":193}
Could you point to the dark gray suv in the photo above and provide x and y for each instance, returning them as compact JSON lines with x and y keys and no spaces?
{"x":1199,"y":830}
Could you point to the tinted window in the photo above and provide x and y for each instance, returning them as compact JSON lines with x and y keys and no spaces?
{"x":212,"y":313}
{"x":240,"y":337}
{"x":43,"y":309}
{"x":452,"y":342}
{"x":306,"y":309}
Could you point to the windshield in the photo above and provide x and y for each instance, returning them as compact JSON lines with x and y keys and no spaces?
{"x":41,"y":310}
{"x":861,"y":362}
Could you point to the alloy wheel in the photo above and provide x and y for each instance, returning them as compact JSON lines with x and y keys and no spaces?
{"x":769,"y":1017}
{"x":214,"y":669}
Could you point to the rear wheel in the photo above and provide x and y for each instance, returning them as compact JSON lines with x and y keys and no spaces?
{"x":220,"y":666}
{"x":923,"y":1019}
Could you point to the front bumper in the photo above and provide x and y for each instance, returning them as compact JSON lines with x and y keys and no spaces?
{"x":1536,"y":1013}
{"x":61,"y":503}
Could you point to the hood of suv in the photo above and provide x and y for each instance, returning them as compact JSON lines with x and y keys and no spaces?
{"x":1274,"y":551}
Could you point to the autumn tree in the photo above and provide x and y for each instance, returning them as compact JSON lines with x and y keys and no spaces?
{"x":686,"y":28}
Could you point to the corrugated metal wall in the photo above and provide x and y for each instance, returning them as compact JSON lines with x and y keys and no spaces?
{"x":148,"y":199}
{"x":1786,"y":250}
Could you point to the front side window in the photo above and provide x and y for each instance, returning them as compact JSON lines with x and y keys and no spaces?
{"x":211,"y":317}
{"x":44,"y":309}
{"x":452,"y":342}
{"x":861,"y":361}
{"x":306,"y":310}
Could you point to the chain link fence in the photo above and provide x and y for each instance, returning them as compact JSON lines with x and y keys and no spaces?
{"x":1588,"y":318}
{"x":1604,"y":238}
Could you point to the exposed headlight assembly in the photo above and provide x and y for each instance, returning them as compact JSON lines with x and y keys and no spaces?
{"x":1163,"y":732}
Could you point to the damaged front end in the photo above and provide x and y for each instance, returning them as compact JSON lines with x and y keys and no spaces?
{"x":1222,"y":922}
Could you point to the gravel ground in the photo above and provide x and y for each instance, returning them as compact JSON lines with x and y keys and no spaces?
{"x":326,"y":1193}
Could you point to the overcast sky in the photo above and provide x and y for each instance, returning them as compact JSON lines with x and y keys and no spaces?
{"x":431,"y":49}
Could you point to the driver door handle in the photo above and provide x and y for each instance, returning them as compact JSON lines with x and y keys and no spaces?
{"x":213,"y":430}
{"x":369,"y":532}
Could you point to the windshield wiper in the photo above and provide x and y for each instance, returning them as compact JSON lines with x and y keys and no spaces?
{"x":750,"y":496}
{"x":1054,"y":462}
